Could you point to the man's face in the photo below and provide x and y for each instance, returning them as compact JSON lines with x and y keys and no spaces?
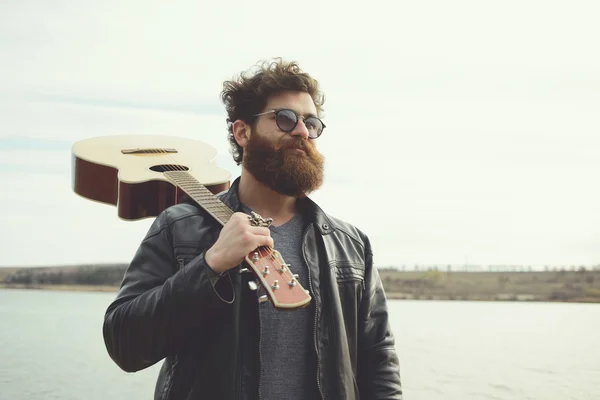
{"x":287,"y":163}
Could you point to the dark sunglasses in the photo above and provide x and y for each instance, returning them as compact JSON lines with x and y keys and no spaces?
{"x":287,"y":120}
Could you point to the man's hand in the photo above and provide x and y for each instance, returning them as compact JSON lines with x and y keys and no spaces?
{"x":237,"y":238}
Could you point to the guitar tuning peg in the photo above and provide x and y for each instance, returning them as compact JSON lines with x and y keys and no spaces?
{"x":243,"y":270}
{"x":253,"y":285}
{"x":262,"y":298}
{"x":283,"y":267}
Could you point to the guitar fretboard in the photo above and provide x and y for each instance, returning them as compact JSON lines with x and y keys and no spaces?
{"x":204,"y":197}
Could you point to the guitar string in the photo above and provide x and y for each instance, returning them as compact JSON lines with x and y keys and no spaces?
{"x":292,"y":279}
{"x":176,"y":167}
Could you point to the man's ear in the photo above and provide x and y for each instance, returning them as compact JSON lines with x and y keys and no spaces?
{"x":241,"y":132}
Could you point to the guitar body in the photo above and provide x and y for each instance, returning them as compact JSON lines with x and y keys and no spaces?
{"x":127,"y":171}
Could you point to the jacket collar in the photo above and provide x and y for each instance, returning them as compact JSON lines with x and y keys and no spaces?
{"x":306,"y":206}
{"x":230,"y":196}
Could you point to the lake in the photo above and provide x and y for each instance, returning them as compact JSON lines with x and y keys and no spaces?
{"x":51,"y":347}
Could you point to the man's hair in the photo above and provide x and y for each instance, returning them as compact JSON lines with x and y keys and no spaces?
{"x":248,"y":94}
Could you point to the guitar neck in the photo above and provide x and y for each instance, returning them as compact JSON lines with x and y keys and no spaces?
{"x":200,"y":194}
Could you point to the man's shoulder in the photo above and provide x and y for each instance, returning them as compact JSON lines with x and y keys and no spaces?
{"x":174,"y":214}
{"x":347,"y":246}
{"x":181,"y":212}
{"x":329,"y":224}
{"x":350,"y":230}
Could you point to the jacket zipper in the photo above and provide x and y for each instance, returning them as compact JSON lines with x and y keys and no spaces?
{"x":316,"y":314}
{"x":239,"y":360}
{"x":260,"y":360}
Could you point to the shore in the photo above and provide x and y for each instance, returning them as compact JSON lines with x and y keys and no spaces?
{"x":71,"y":288}
{"x":389,"y":295}
{"x":582,"y":286}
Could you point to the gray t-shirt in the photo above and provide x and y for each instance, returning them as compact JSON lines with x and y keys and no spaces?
{"x":287,"y":349}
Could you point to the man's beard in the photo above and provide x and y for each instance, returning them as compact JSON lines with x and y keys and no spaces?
{"x":277,"y":167}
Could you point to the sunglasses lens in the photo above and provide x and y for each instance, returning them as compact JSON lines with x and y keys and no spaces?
{"x":286,"y":120}
{"x":314,"y":126}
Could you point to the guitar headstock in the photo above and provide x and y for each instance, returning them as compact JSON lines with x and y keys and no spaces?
{"x":281,"y":284}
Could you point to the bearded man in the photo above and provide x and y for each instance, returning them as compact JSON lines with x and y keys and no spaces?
{"x":185,"y":298}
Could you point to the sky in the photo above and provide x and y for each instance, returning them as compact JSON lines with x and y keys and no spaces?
{"x":461,"y":132}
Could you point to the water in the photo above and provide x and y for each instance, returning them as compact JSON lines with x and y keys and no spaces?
{"x":494,"y":350}
{"x":51,"y":347}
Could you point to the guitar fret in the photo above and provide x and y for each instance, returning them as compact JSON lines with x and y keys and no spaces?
{"x":204,"y":197}
{"x":213,"y":206}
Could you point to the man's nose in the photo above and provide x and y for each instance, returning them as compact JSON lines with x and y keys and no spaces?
{"x":300,"y":129}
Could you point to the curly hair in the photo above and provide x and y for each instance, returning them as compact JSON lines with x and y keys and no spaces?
{"x":248,"y":94}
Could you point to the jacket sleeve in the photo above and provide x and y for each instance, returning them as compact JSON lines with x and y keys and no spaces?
{"x":378,"y":367}
{"x":160,"y":305}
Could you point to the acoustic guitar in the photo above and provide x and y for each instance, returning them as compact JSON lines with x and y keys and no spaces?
{"x":143,"y":175}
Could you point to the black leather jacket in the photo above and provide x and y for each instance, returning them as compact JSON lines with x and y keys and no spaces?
{"x":172,"y":306}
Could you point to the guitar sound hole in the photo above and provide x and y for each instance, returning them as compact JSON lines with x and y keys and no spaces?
{"x":169,"y":167}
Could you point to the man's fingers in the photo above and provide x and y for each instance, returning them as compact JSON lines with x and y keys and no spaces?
{"x":260,"y":231}
{"x":265,"y":241}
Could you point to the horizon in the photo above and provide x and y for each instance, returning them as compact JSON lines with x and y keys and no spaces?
{"x":400,"y":268}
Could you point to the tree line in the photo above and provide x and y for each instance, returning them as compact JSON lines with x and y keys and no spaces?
{"x":109,"y":275}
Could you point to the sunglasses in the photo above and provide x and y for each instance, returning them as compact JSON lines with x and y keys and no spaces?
{"x":287,"y":120}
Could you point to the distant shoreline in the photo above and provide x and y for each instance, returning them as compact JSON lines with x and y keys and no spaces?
{"x":504,"y":299}
{"x":389,"y":295}
{"x":581,"y":286}
{"x":66,"y":288}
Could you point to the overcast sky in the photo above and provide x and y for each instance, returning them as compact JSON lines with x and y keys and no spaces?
{"x":457,"y":132}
